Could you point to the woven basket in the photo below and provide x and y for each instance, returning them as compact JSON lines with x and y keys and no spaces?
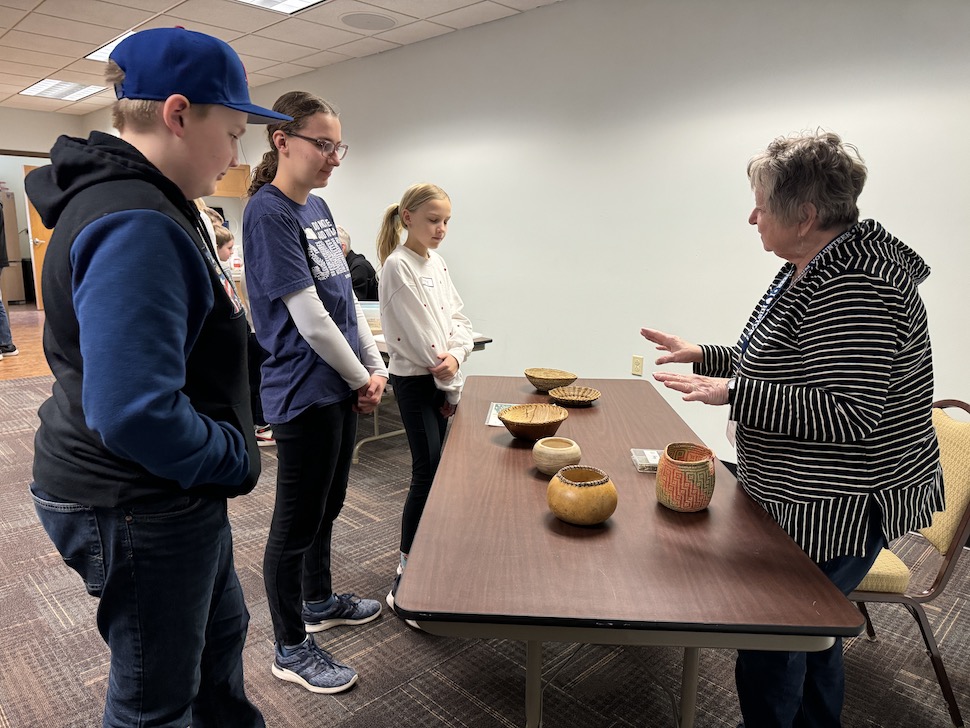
{"x":574,"y":396}
{"x":685,"y":477}
{"x":546,"y":379}
{"x":532,"y":421}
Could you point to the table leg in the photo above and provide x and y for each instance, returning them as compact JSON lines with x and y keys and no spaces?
{"x":688,"y":687}
{"x":533,"y":684}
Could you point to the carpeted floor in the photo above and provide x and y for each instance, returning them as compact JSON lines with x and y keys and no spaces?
{"x":53,"y":665}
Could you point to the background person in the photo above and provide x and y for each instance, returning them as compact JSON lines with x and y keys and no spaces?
{"x":362,"y":273}
{"x":133,"y":464}
{"x":428,"y":337}
{"x":830,"y":386}
{"x":255,"y":354}
{"x":323,"y":368}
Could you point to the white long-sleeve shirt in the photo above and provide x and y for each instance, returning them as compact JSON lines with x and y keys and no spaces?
{"x":421,"y":316}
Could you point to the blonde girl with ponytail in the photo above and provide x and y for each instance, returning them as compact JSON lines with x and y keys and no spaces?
{"x":428,"y":337}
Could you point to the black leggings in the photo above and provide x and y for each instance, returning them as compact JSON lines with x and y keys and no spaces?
{"x":314,"y":451}
{"x":420,"y":404}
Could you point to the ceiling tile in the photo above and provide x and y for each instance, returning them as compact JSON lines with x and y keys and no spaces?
{"x":94,"y":11}
{"x":15,"y":79}
{"x":524,"y":5}
{"x":33,"y":57}
{"x":235,"y":16}
{"x":88,"y":79}
{"x":331,"y":13}
{"x":25,"y":69}
{"x":324,"y":58}
{"x":7,"y":89}
{"x":48,"y":25}
{"x":286,"y":70}
{"x":313,"y":35}
{"x":86,"y":65}
{"x":170,"y":21}
{"x":277,"y":50}
{"x":35,"y":103}
{"x":155,"y":6}
{"x":482,"y":12}
{"x":257,"y":79}
{"x":421,"y":30}
{"x":252,"y":63}
{"x":422,"y":8}
{"x":9,"y":17}
{"x":44,"y":44}
{"x":366,"y":47}
{"x":20,"y":4}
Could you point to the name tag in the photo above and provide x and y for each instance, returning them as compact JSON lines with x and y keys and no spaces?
{"x":427,"y":282}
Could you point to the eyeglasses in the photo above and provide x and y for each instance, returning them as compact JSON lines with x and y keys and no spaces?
{"x":325,"y":146}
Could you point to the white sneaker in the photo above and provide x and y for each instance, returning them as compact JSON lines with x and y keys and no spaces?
{"x":264,"y":436}
{"x":390,"y":602}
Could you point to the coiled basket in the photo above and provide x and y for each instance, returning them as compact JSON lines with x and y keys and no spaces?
{"x":685,"y":477}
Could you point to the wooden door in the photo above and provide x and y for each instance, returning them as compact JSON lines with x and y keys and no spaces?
{"x":40,"y":236}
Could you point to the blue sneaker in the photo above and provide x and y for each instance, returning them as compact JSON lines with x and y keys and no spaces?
{"x":346,"y":609}
{"x":314,"y":669}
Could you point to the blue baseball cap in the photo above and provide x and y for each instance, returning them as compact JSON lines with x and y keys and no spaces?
{"x":161,"y":62}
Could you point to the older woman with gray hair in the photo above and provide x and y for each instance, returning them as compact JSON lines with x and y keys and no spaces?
{"x":829,"y":388}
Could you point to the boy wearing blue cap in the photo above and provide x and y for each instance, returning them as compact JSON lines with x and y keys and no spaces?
{"x":149,"y":428}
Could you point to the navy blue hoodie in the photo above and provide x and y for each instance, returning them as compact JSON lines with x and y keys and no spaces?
{"x":144,"y":335}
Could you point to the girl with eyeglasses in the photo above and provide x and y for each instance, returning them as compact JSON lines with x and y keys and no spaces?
{"x":323,"y":368}
{"x":427,"y":335}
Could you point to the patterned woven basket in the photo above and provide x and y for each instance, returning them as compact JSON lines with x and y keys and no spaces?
{"x":546,"y":379}
{"x":574,"y":396}
{"x":532,"y":421}
{"x":685,"y":477}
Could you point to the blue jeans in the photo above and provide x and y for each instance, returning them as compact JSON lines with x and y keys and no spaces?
{"x":171,"y":608}
{"x":314,"y":451}
{"x":804,"y":689}
{"x":5,"y":336}
{"x":420,"y":402}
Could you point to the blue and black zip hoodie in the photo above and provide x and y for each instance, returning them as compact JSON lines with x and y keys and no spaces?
{"x":145,"y":337}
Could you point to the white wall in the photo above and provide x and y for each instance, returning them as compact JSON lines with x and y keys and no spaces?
{"x":595,"y":154}
{"x":28,"y":131}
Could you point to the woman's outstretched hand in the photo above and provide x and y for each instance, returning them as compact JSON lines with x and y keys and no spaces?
{"x":709,"y":390}
{"x":680,"y":351}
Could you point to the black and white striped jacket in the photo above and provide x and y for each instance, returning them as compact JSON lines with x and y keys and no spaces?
{"x":833,"y":396}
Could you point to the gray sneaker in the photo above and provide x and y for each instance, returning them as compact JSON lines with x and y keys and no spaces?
{"x":314,"y":669}
{"x":347,"y":609}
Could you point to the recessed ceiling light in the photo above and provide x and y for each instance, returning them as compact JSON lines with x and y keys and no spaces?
{"x":367,"y":21}
{"x":284,"y":6}
{"x":51,"y":88}
{"x":104,"y":51}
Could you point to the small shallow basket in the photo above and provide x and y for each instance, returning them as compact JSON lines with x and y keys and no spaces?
{"x":546,"y":379}
{"x":574,"y":396}
{"x":533,"y":421}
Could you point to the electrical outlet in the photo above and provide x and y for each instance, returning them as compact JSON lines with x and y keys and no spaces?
{"x":637,"y":368}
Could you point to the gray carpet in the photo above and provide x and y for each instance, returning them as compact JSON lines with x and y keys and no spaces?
{"x":54,"y":667}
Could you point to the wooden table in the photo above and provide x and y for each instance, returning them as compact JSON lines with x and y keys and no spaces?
{"x":490,"y":560}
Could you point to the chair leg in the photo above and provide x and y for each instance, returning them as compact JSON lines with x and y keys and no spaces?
{"x":936,"y":658}
{"x":870,"y":630}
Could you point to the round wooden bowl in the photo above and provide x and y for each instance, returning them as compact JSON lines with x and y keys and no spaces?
{"x":574,"y":396}
{"x":532,"y":421}
{"x":552,"y":453}
{"x":546,"y":379}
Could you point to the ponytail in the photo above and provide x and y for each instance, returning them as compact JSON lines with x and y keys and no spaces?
{"x":389,"y":236}
{"x":265,"y":171}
